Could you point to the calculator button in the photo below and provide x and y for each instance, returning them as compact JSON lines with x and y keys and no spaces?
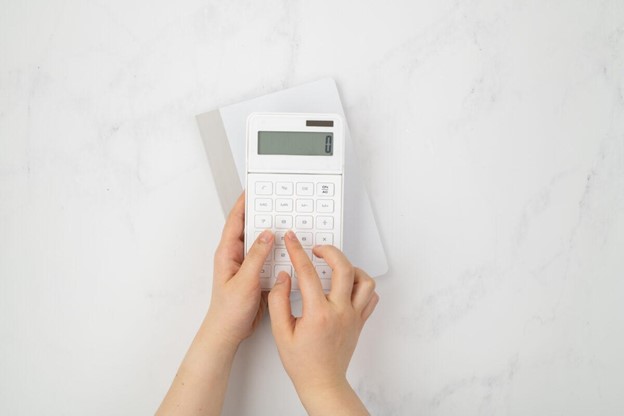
{"x":279,"y":238}
{"x":305,"y":205}
{"x":281,"y":255}
{"x":284,"y":188}
{"x":262,"y":221}
{"x":303,"y":221}
{"x":324,"y":205}
{"x":264,"y":204}
{"x":325,"y":223}
{"x":325,"y":189}
{"x":264,"y":188}
{"x":265,"y":271}
{"x":267,"y":283}
{"x":324,"y":272}
{"x":324,"y":238}
{"x":283,"y":268}
{"x":283,"y":205}
{"x":305,"y":238}
{"x":283,"y":221}
{"x":294,"y":284}
{"x":309,"y":253}
{"x":305,"y":189}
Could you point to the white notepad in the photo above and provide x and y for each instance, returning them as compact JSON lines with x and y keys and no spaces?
{"x":223,"y":135}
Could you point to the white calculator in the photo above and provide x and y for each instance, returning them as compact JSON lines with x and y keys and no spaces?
{"x":295,"y":166}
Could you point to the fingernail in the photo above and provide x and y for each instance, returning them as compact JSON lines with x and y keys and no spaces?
{"x":291,"y":236}
{"x":266,"y":236}
{"x":281,"y":278}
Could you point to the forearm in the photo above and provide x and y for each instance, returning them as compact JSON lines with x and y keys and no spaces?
{"x":335,"y":399}
{"x":200,"y":384}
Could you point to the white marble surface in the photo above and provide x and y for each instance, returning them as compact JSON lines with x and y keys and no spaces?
{"x":492,"y":133}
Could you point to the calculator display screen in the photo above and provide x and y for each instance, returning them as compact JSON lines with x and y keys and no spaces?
{"x":300,"y":143}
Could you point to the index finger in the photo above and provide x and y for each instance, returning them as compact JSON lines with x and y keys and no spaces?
{"x":309,"y":282}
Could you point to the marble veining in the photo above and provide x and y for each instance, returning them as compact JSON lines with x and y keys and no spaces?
{"x":492,"y":139}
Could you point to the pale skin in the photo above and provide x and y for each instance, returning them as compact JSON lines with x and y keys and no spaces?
{"x":315,"y":348}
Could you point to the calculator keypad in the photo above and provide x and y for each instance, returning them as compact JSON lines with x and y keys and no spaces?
{"x":310,"y":205}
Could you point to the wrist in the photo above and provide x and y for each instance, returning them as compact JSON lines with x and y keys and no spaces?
{"x":210,"y":353}
{"x":314,"y":390}
{"x":330,"y":397}
{"x":212,"y":331}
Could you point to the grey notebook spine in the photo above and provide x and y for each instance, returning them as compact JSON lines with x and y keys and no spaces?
{"x":220,"y":159}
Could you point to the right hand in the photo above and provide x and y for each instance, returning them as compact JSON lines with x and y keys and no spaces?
{"x":316,"y":348}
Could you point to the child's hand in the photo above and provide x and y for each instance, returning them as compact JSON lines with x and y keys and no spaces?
{"x":316,"y":348}
{"x":236,"y":306}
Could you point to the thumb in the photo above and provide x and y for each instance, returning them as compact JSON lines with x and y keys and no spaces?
{"x":282,"y":321}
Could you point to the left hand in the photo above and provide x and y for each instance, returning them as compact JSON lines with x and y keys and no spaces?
{"x":237,"y":305}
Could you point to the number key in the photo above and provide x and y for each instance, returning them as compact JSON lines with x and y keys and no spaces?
{"x":303,"y":221}
{"x":305,"y":238}
{"x":281,"y":255}
{"x":283,"y":221}
{"x":279,"y":238}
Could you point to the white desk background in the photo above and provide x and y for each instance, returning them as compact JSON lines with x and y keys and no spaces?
{"x":492,"y":135}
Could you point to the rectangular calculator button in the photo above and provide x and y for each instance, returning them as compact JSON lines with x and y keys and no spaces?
{"x":325,"y":189}
{"x":265,"y":271}
{"x":279,"y":238}
{"x":324,"y":238}
{"x":267,"y":282}
{"x":305,"y":238}
{"x":284,"y":188}
{"x":264,"y":188}
{"x":281,"y":255}
{"x":283,"y":268}
{"x":305,"y":188}
{"x":324,"y":205}
{"x":283,"y":205}
{"x":324,"y":272}
{"x":262,"y":221}
{"x":305,"y":205}
{"x":283,"y":221}
{"x":325,"y":223}
{"x":264,"y":204}
{"x":303,"y":222}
